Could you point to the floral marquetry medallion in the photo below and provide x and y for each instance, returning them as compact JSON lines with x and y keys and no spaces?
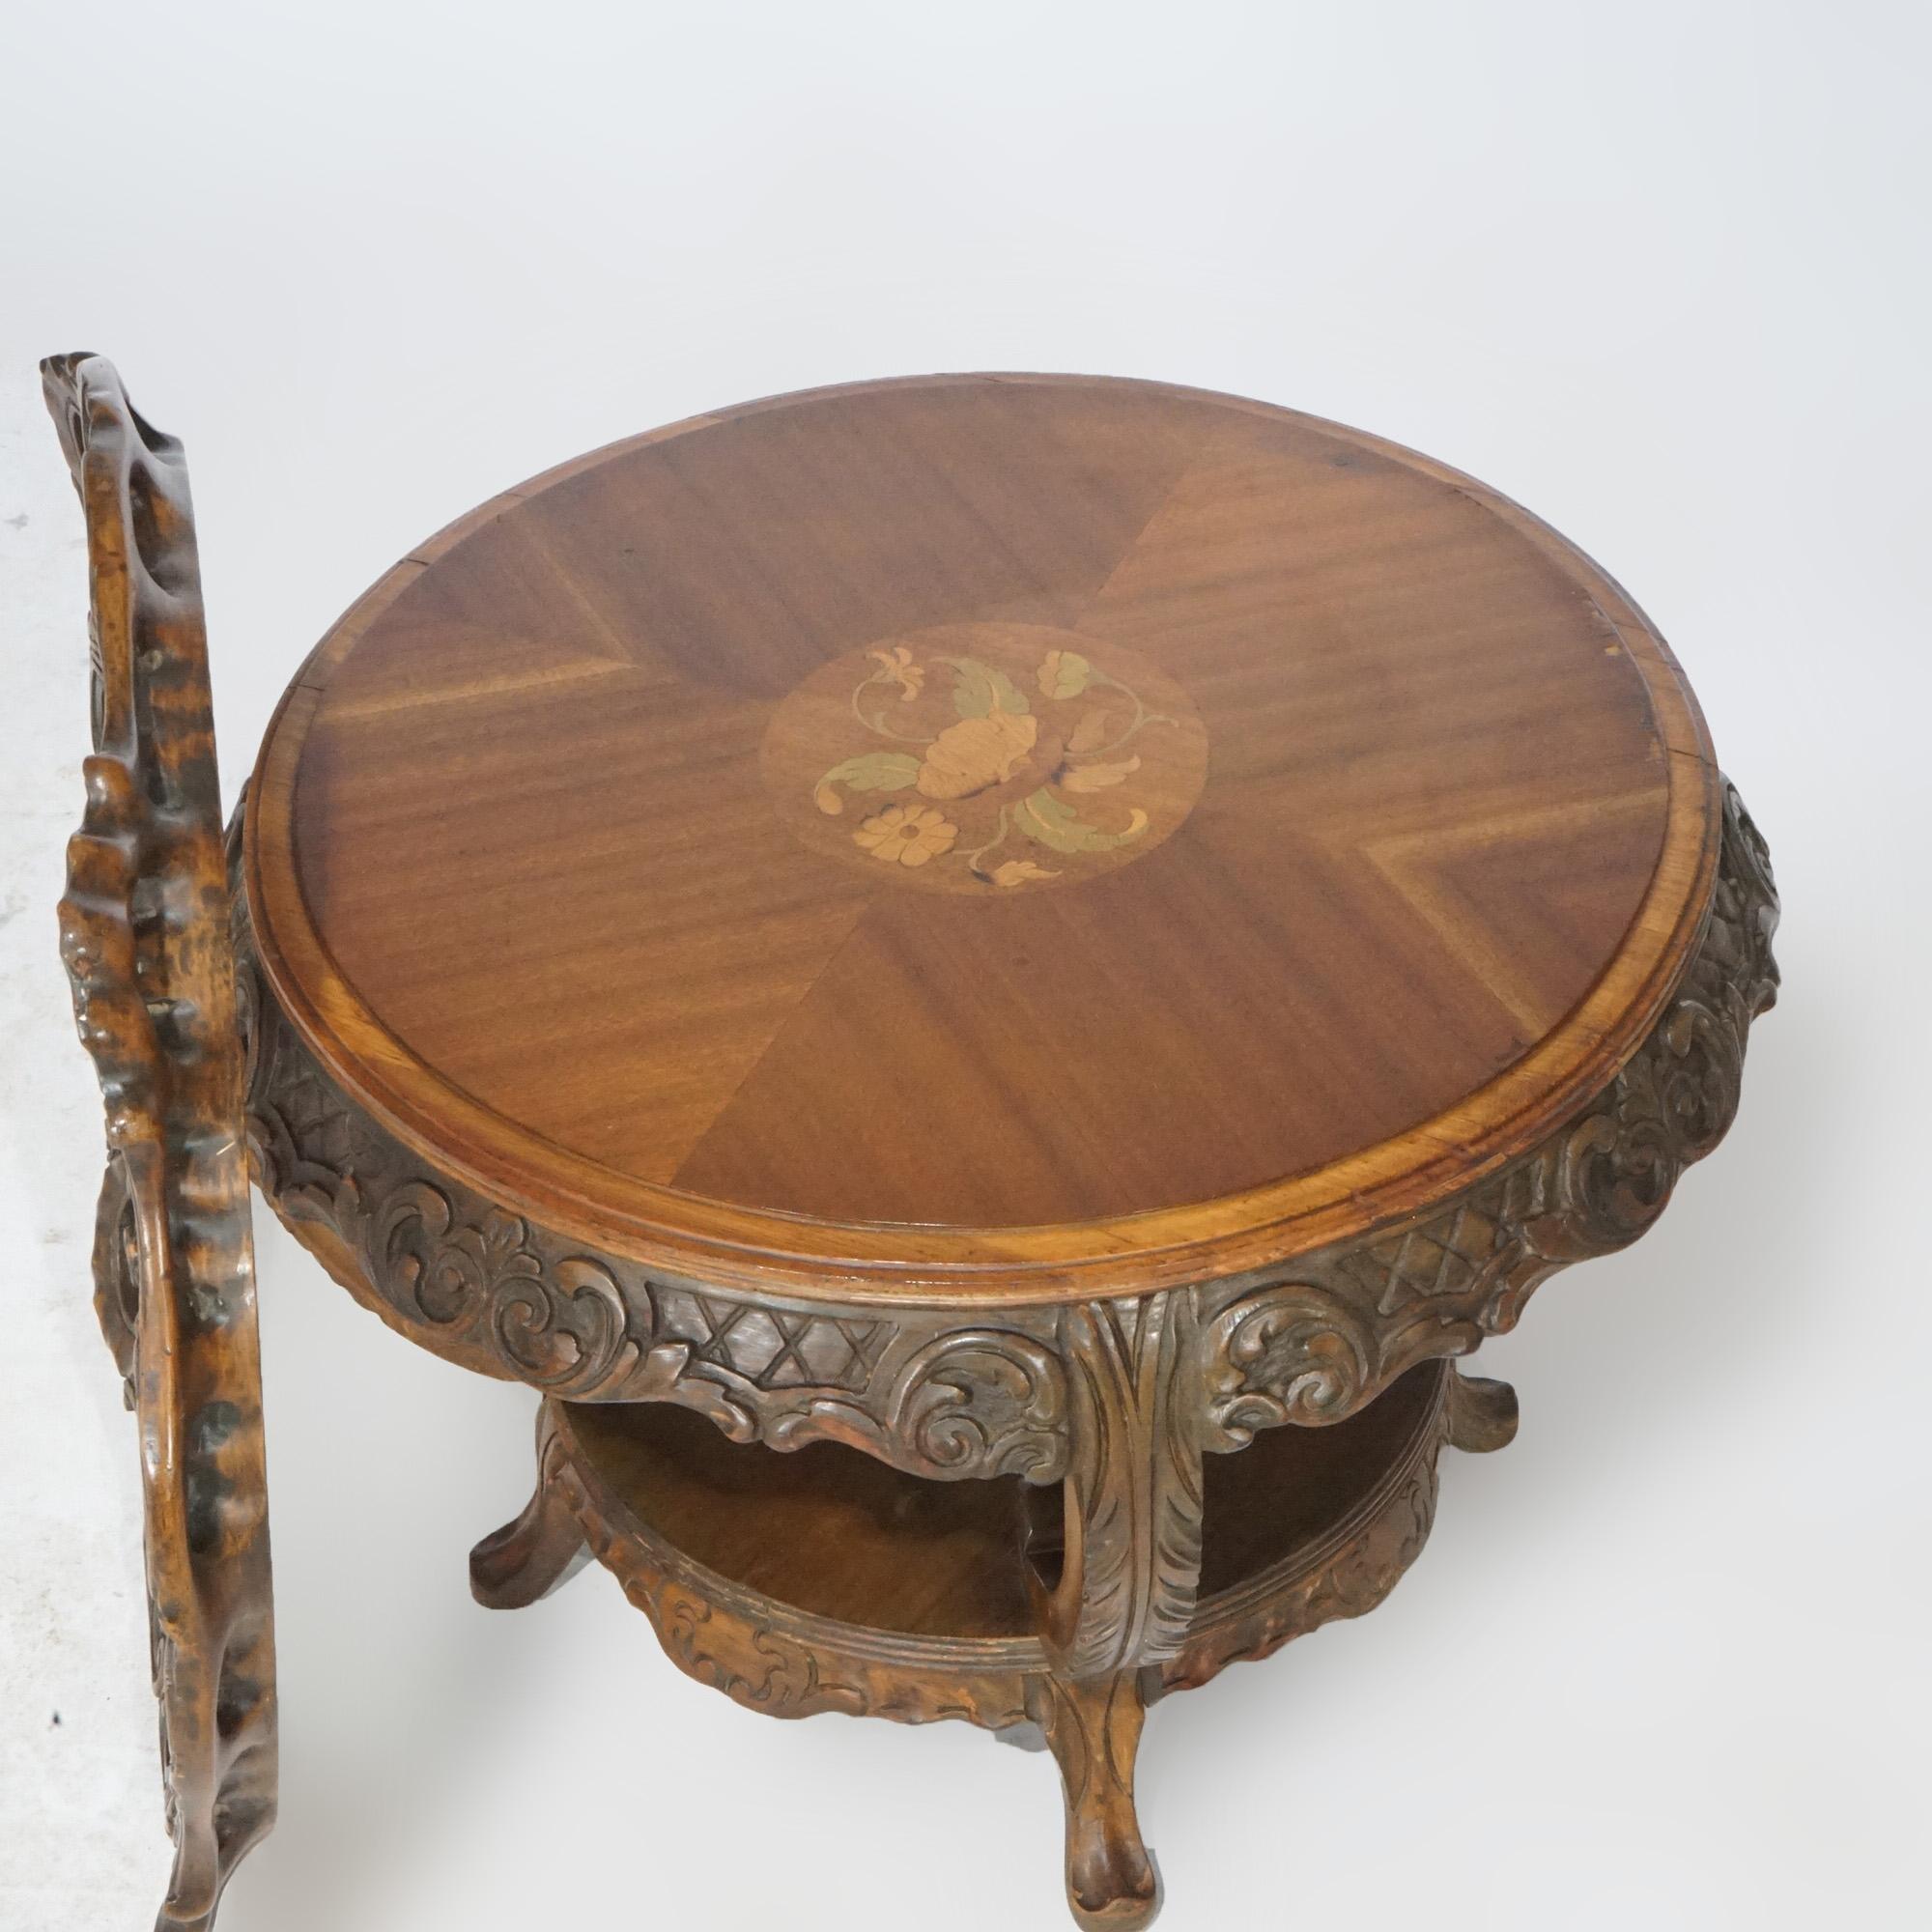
{"x":989,"y":757}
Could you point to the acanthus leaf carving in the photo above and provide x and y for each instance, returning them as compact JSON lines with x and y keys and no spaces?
{"x":1128,"y":1550}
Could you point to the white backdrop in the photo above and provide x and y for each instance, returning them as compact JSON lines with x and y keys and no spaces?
{"x":1658,"y":271}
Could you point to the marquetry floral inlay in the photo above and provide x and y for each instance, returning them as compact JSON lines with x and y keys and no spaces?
{"x":987,"y":757}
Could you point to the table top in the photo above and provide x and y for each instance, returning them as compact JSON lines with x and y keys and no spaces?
{"x":977,"y":828}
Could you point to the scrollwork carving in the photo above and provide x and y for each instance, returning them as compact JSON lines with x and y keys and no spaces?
{"x":926,"y":1391}
{"x":560,"y":1325}
{"x":987,"y":1402}
{"x":754,"y":1667}
{"x":969,"y":1402}
{"x":1289,"y":1354}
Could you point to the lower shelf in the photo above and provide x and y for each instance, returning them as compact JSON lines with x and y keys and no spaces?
{"x":824,"y":1580}
{"x":854,"y":1563}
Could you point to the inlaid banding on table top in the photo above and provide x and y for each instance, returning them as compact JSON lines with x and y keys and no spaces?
{"x":985,"y":757}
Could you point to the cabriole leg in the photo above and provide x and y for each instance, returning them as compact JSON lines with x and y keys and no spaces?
{"x":1482,"y":1413}
{"x":1116,"y":1578}
{"x":542,"y":1550}
{"x":1094,"y":1730}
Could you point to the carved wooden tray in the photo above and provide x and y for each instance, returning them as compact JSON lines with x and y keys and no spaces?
{"x":145,"y":938}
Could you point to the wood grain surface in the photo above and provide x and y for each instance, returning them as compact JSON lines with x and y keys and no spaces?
{"x":964,"y":830}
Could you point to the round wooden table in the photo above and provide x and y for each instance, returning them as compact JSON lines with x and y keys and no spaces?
{"x":1013,"y":934}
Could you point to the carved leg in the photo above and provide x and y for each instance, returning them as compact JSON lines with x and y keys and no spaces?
{"x":1482,"y":1413}
{"x":1095,"y":1731}
{"x":1115,"y":1586}
{"x":542,"y":1550}
{"x":1115,"y":1575}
